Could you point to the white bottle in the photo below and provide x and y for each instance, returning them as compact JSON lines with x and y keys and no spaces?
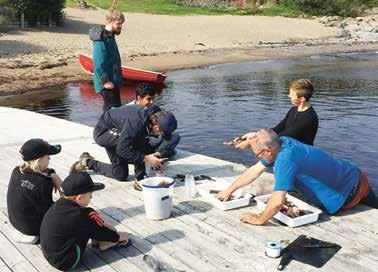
{"x":190,"y":186}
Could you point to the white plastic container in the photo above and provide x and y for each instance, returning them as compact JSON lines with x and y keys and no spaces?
{"x":157,"y":197}
{"x":241,"y":198}
{"x":190,"y":186}
{"x":292,"y":222}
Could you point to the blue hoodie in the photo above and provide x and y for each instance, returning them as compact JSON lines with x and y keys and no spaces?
{"x":106,"y":58}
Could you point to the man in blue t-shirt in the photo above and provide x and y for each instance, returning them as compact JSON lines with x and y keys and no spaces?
{"x":333,"y":185}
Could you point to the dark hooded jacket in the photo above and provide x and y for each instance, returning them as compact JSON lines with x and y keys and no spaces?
{"x":29,"y":197}
{"x":106,"y":58}
{"x":132,"y":122}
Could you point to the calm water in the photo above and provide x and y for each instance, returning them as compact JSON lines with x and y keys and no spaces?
{"x":220,"y":102}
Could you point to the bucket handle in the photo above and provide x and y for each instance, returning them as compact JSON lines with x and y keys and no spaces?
{"x":165,"y":198}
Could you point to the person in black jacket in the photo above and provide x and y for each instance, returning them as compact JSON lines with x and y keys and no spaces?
{"x":30,"y":189}
{"x":123,"y":132}
{"x":69,"y":224}
{"x":301,"y":121}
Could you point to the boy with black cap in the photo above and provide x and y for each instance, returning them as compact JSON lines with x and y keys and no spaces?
{"x":144,"y":96}
{"x":30,"y":189}
{"x":69,"y":224}
{"x":123,"y":132}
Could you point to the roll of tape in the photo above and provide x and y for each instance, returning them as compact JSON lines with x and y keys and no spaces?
{"x":273,"y":249}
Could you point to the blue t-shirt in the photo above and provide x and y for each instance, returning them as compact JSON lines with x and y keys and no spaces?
{"x":323,"y":180}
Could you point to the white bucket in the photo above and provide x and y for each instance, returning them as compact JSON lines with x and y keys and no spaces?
{"x":157,"y":197}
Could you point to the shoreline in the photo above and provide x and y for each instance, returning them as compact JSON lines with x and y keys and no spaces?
{"x":46,"y":58}
{"x":32,"y":79}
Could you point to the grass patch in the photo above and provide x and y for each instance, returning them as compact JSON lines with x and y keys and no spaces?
{"x":168,"y":7}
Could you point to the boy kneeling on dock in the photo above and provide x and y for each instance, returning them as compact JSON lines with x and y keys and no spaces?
{"x":69,"y":224}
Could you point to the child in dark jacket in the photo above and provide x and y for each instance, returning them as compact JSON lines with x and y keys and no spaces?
{"x":69,"y":224}
{"x":30,"y":189}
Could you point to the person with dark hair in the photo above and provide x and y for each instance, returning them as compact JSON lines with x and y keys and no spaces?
{"x":30,"y":189}
{"x":331,"y":184}
{"x":301,"y":121}
{"x":69,"y":224}
{"x":145,"y":96}
{"x":107,"y":74}
{"x":123,"y":132}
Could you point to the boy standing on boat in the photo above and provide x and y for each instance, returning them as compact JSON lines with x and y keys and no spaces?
{"x":331,"y":184}
{"x":301,"y":121}
{"x":107,"y":74}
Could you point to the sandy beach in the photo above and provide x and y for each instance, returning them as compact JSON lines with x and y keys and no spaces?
{"x":40,"y":58}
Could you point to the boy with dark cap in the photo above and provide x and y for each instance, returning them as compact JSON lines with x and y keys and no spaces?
{"x":124,"y":133}
{"x":145,"y":96}
{"x":69,"y":224}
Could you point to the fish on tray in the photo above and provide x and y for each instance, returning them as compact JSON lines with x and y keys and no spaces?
{"x":215,"y":192}
{"x":291,"y":210}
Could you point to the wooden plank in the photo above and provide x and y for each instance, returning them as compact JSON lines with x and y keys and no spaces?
{"x":179,"y":242}
{"x":280,"y":232}
{"x":210,"y":244}
{"x":197,"y":243}
{"x":34,"y":254}
{"x":107,"y":261}
{"x":3,"y":266}
{"x":144,"y":247}
{"x":13,"y":257}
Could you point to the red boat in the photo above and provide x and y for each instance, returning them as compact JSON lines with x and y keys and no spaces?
{"x":128,"y":73}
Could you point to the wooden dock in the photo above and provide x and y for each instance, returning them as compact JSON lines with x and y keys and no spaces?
{"x":197,"y":237}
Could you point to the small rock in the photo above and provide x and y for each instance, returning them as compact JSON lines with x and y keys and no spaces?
{"x":332,"y":24}
{"x":343,"y":33}
{"x":51,"y":64}
{"x":372,"y":11}
{"x":343,"y":23}
{"x":374,"y":29}
{"x":359,"y":19}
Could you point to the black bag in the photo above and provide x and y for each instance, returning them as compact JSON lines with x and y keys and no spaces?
{"x":308,"y":250}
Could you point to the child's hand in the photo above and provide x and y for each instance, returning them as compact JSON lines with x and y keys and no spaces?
{"x":123,"y":238}
{"x":57,"y":183}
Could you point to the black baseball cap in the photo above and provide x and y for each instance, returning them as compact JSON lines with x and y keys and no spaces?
{"x":80,"y":183}
{"x":168,"y":124}
{"x":37,"y":148}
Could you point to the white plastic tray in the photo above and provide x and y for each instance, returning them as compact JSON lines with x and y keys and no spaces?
{"x":204,"y":191}
{"x":291,"y":222}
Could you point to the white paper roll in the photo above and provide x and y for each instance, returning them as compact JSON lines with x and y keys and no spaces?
{"x":273,"y":249}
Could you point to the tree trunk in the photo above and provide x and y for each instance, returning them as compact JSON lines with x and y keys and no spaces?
{"x":22,"y":20}
{"x":50,"y":19}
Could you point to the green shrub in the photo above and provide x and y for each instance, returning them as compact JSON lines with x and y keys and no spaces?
{"x":331,"y":7}
{"x":3,"y":23}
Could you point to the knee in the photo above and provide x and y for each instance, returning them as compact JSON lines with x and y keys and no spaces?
{"x":120,"y":173}
{"x":175,"y":138}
